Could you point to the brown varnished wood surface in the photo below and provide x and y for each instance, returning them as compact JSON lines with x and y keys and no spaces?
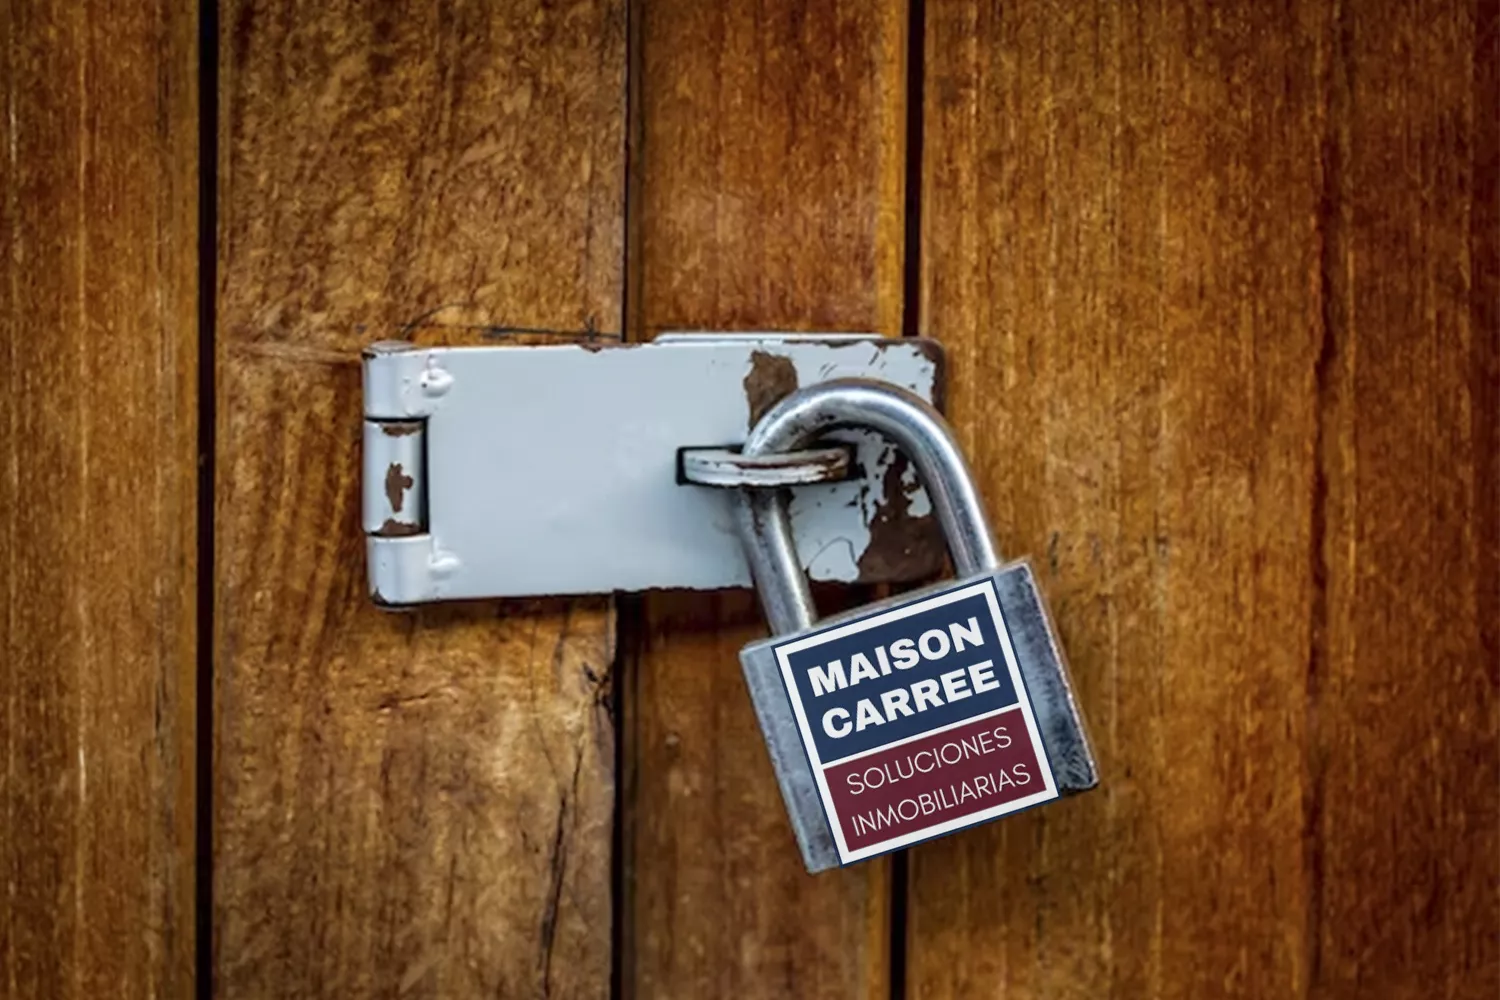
{"x":1218,"y":286}
{"x":98,"y":221}
{"x":1403,"y":796}
{"x":767,"y":170}
{"x":406,"y":805}
{"x":1219,"y":289}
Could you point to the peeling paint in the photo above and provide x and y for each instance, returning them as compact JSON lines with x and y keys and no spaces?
{"x":393,"y":528}
{"x":932,"y":352}
{"x":903,"y":544}
{"x":772,"y":377}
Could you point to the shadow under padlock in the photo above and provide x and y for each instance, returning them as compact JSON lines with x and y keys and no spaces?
{"x":920,"y":715}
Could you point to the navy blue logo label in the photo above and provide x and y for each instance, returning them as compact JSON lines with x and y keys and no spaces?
{"x":892,"y":681}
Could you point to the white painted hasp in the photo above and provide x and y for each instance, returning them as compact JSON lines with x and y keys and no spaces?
{"x":551,"y":470}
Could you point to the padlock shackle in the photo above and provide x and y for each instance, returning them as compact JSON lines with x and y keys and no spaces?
{"x":913,"y":425}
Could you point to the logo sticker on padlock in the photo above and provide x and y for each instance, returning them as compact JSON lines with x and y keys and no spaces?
{"x":922,"y":715}
{"x":914,"y":722}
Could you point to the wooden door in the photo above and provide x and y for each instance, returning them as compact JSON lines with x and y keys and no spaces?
{"x":1220,"y":289}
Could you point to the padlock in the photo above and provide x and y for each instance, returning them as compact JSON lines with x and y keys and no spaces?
{"x":917,"y":716}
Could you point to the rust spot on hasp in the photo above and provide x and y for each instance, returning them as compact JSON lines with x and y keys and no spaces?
{"x":378,"y":599}
{"x":596,"y":346}
{"x":393,"y":528}
{"x":933,"y":352}
{"x":400,"y":428}
{"x":396,"y":485}
{"x":770,"y":379}
{"x":903,"y":546}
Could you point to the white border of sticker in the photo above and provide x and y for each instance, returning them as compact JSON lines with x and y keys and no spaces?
{"x":783,"y":651}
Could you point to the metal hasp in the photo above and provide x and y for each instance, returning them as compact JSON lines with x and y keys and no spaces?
{"x":513,"y":471}
{"x":801,"y":420}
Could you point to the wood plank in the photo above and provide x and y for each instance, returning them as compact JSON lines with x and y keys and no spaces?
{"x":1140,"y":224}
{"x":415,"y":805}
{"x":98,"y":495}
{"x":1405,"y":742}
{"x":768,"y":168}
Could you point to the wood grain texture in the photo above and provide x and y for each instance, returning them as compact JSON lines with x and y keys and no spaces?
{"x":407,"y":805}
{"x":1404,"y":747}
{"x":768,"y":169}
{"x":1217,"y":284}
{"x":98,"y":218}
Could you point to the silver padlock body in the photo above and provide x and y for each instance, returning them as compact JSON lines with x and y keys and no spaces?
{"x":875,"y":752}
